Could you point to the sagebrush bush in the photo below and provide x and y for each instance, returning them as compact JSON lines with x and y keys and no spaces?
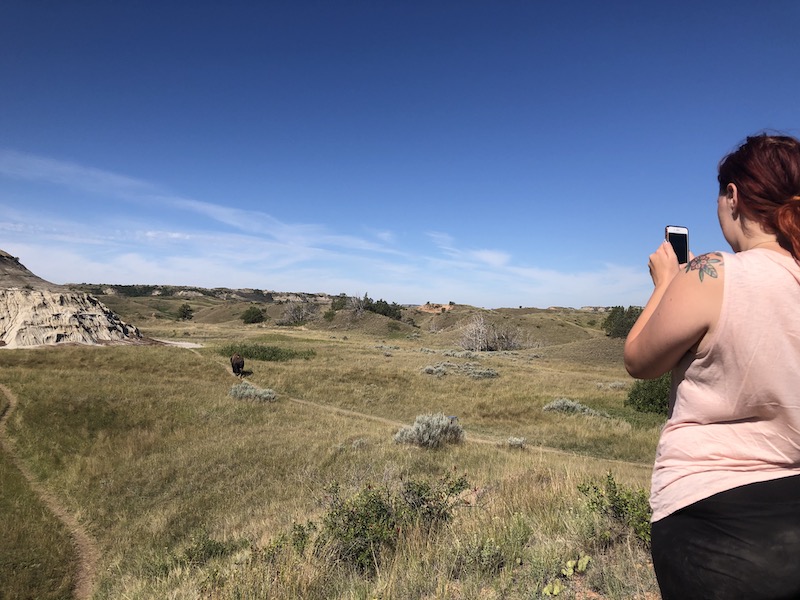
{"x":462,"y":354}
{"x":247,"y":391}
{"x":473,"y":370}
{"x":431,"y":431}
{"x":516,"y":442}
{"x":440,"y":369}
{"x":477,"y":372}
{"x":568,"y":406}
{"x":613,"y":385}
{"x":650,"y":395}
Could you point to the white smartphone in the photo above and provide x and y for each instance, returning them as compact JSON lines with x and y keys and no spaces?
{"x":679,"y":238}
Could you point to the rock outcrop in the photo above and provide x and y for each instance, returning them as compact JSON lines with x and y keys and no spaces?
{"x":35,"y":312}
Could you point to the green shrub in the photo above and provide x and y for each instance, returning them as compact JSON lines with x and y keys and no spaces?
{"x":361,"y":528}
{"x":627,"y":507}
{"x":650,"y":395}
{"x":253,"y":314}
{"x":431,"y":431}
{"x":361,"y":531}
{"x":301,"y":536}
{"x":185,"y":312}
{"x":265,"y":353}
{"x":428,"y":504}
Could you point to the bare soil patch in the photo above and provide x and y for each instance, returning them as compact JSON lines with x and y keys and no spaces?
{"x":435,"y":308}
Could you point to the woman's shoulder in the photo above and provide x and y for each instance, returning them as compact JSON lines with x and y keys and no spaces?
{"x":710,"y":265}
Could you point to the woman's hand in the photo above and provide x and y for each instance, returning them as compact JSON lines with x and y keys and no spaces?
{"x":663,"y":265}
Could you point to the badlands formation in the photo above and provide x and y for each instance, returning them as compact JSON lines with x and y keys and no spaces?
{"x":34,"y":312}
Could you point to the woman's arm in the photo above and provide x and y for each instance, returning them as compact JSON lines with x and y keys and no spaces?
{"x":685,"y":303}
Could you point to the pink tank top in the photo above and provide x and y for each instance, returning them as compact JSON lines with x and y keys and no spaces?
{"x":735,"y":407}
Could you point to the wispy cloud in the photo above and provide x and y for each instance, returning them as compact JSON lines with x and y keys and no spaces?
{"x":20,"y":165}
{"x":385,"y":236}
{"x":219,"y":245}
{"x":493,"y":258}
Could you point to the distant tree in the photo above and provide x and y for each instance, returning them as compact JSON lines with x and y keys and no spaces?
{"x":339,"y":302}
{"x":479,"y":335}
{"x":613,"y":319}
{"x":382,"y":307}
{"x":297,"y":313}
{"x":185,"y":312}
{"x":359,"y":305}
{"x":475,"y":336}
{"x":253,"y":314}
{"x":619,"y":321}
{"x":136,"y":290}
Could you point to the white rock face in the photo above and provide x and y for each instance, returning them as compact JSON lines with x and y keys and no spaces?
{"x":35,"y":317}
{"x":35,"y":312}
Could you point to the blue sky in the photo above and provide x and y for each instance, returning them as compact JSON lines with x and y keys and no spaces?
{"x":498,"y":154}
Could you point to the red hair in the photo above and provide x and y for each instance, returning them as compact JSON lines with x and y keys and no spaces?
{"x":766,"y":172}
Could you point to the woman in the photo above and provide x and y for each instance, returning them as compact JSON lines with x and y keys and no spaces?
{"x":726,"y":481}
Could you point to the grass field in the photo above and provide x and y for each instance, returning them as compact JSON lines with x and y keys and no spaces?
{"x":186,"y":492}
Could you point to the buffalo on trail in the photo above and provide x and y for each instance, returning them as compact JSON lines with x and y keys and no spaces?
{"x":237,"y":364}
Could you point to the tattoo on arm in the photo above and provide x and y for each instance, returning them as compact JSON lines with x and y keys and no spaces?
{"x":704,"y":264}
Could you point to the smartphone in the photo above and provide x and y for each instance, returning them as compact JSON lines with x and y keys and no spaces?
{"x":679,"y":238}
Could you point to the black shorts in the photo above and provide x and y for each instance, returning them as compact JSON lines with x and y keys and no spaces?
{"x":741,"y":543}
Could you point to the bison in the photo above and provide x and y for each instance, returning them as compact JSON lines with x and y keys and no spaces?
{"x":237,"y":364}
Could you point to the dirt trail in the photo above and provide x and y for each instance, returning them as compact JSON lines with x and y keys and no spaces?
{"x":477,"y":439}
{"x":85,"y":549}
{"x":469,"y":438}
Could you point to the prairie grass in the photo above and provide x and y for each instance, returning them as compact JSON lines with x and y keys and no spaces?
{"x":186,"y":489}
{"x":35,"y":555}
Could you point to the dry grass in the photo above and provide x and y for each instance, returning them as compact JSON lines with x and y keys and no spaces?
{"x":35,"y":557}
{"x":147,"y":448}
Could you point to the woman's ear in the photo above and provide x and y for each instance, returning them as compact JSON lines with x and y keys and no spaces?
{"x":732,"y":198}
